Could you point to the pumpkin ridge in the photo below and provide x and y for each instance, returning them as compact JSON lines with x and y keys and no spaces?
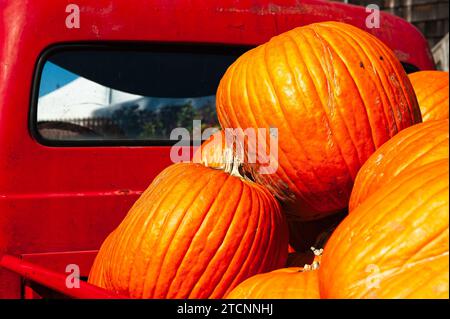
{"x":230,"y":180}
{"x":422,"y":154}
{"x":234,"y":82}
{"x":333,"y":131}
{"x":254,"y":248}
{"x":408,"y":96}
{"x":97,"y":272}
{"x":275,"y":94}
{"x":387,"y":90}
{"x":263,"y":200}
{"x":437,"y":102}
{"x":119,"y":246}
{"x":411,"y":140}
{"x":328,"y":67}
{"x":263,"y":197}
{"x":421,"y":246}
{"x":375,"y":221}
{"x":316,"y":91}
{"x":278,"y":191}
{"x":395,"y":66}
{"x":161,"y":261}
{"x":229,"y":99}
{"x":248,"y":104}
{"x":444,"y":269}
{"x":188,"y":246}
{"x":300,"y":93}
{"x":403,"y":142}
{"x":350,"y":72}
{"x":258,"y":104}
{"x":223,"y":240}
{"x":443,"y":232}
{"x":258,"y":107}
{"x":288,"y":127}
{"x":343,"y":230}
{"x":436,"y":90}
{"x":394,"y":271}
{"x":235,"y":254}
{"x":280,"y":167}
{"x":234,"y":279}
{"x":386,"y":100}
{"x":142,"y":284}
{"x":132,"y":221}
{"x":431,"y":90}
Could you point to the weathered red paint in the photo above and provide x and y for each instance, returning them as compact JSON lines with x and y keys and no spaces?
{"x":69,"y":198}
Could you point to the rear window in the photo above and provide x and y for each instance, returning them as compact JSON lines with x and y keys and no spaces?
{"x":126,"y":94}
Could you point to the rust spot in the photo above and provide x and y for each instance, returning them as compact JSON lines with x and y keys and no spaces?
{"x":123,"y":191}
{"x":402,"y":56}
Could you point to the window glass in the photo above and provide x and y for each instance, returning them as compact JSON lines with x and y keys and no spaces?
{"x":109,"y":93}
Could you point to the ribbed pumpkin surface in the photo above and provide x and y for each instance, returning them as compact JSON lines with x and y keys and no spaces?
{"x":416,"y":146}
{"x":196,"y":232}
{"x":431,"y":89}
{"x":302,"y":234}
{"x":286,"y":283}
{"x":395,"y":244}
{"x":335,"y":93}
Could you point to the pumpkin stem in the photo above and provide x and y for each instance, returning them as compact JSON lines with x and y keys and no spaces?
{"x":316,"y":262}
{"x":232,"y":163}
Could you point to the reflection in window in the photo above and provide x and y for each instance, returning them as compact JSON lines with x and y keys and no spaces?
{"x":128,"y":95}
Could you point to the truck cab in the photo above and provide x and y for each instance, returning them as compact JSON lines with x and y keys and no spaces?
{"x":89,"y":96}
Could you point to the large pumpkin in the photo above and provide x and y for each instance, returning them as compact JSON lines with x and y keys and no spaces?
{"x":285,"y":283}
{"x":335,"y":93}
{"x":196,"y":232}
{"x":396,"y":243}
{"x":217,"y":152}
{"x":431,"y":89}
{"x":416,"y":146}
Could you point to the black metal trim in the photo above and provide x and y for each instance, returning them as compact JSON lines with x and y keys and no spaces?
{"x":118,"y":46}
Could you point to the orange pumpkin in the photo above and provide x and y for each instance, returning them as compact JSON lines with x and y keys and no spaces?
{"x":396,"y":243}
{"x":211,"y":152}
{"x":335,"y":93}
{"x":286,"y":283}
{"x":302,"y":234}
{"x":431,"y":89}
{"x":196,"y":232}
{"x":416,"y":146}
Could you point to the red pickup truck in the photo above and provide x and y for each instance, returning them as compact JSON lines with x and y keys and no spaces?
{"x":89,"y":93}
